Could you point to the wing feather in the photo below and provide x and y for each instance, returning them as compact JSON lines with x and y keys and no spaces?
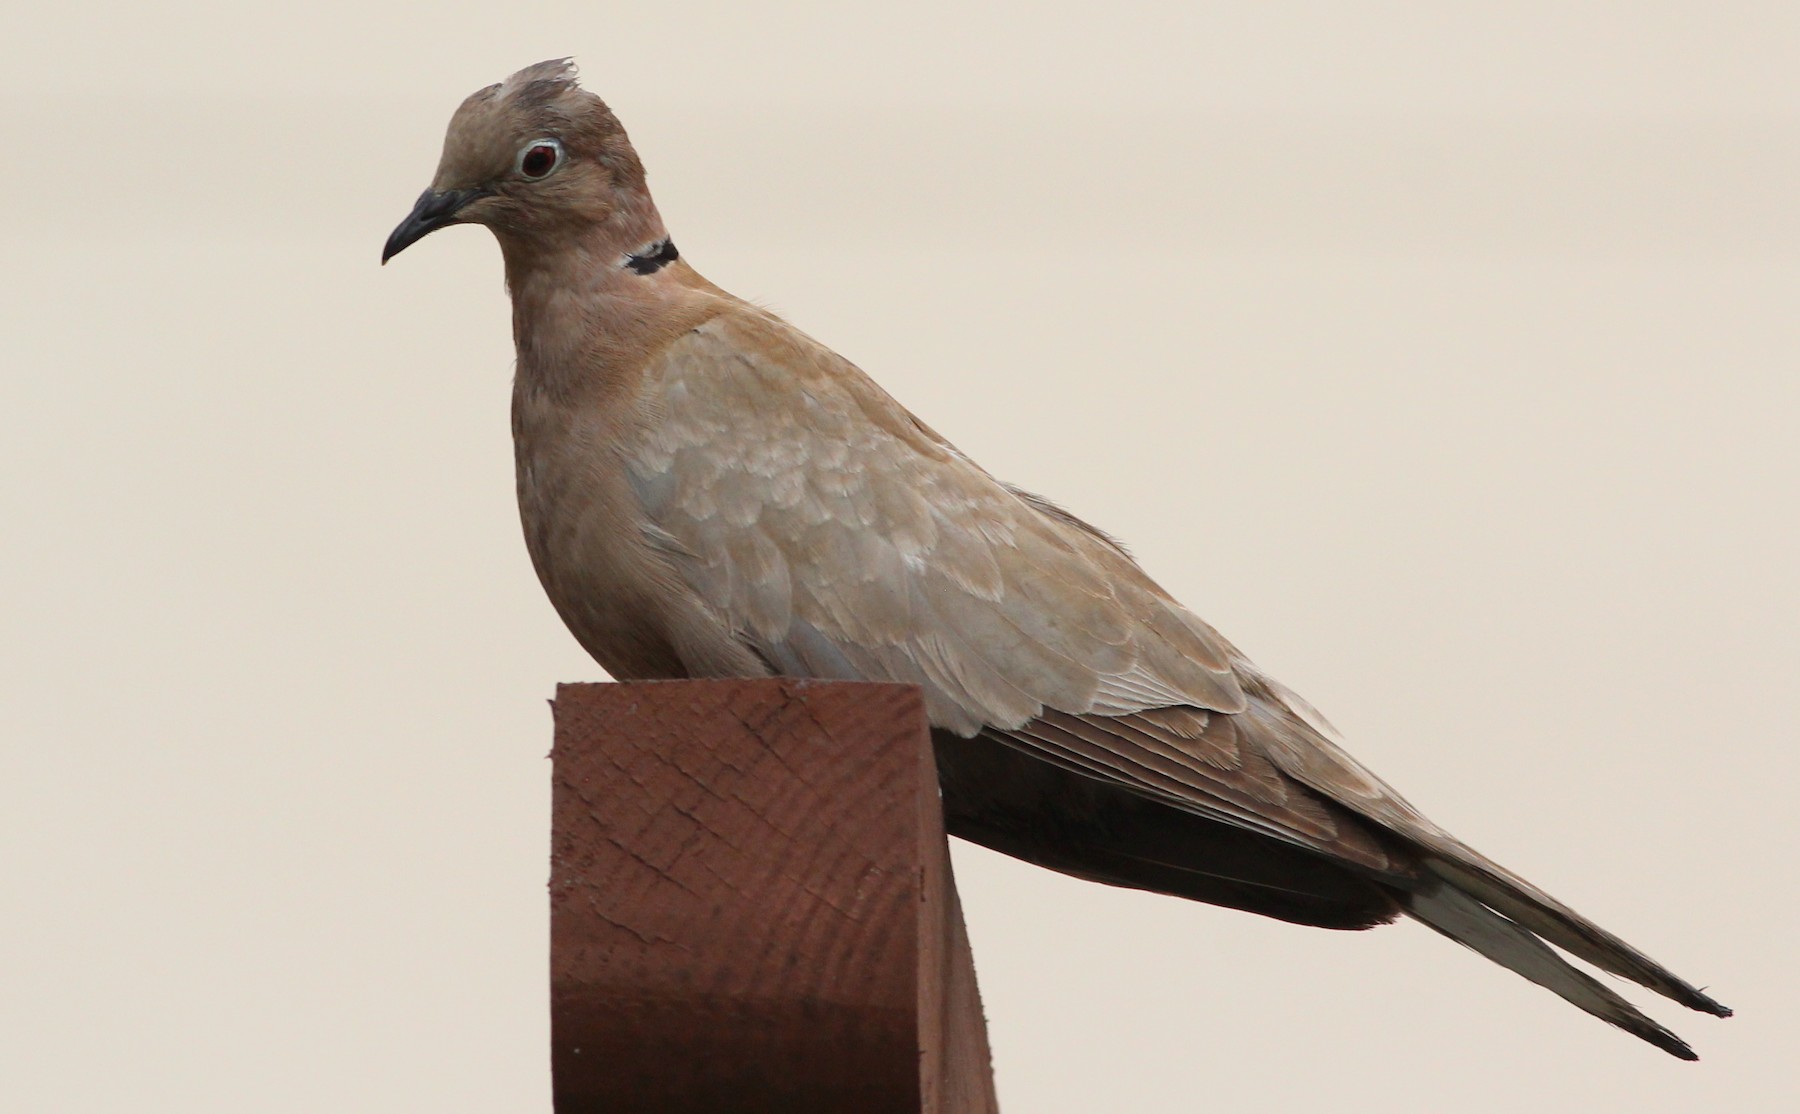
{"x":842,"y":538}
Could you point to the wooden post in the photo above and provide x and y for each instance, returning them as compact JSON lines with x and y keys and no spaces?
{"x":751,"y":905}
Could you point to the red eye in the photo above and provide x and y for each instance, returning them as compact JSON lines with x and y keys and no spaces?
{"x":539,"y":159}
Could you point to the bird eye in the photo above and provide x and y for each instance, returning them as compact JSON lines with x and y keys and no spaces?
{"x":539,"y":157}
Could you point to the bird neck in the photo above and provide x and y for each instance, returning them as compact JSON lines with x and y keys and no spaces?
{"x":587,"y":310}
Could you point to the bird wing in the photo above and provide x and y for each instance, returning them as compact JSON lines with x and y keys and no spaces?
{"x":838,"y":536}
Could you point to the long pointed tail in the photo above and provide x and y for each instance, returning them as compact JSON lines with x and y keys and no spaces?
{"x":1490,"y":911}
{"x":1474,"y":925}
{"x":1538,"y":912}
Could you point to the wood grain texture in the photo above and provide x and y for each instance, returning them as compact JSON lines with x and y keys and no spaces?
{"x":752,"y":907}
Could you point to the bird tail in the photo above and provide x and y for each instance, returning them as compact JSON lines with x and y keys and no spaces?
{"x":1486,"y":908}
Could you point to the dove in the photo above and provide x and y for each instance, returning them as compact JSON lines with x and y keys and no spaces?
{"x":706,"y":491}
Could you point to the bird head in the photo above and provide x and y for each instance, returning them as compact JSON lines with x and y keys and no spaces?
{"x":539,"y":160}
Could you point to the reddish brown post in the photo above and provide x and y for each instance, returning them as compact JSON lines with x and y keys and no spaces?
{"x":751,"y":906}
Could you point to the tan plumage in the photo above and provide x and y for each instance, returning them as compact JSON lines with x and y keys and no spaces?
{"x":707,"y":491}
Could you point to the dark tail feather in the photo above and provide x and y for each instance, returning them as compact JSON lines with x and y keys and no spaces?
{"x":1570,"y":931}
{"x":1463,"y":918}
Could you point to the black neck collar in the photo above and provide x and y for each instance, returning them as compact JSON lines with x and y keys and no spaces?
{"x":653,"y":258}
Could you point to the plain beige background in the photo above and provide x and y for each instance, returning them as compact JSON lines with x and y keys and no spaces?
{"x":1441,"y":355}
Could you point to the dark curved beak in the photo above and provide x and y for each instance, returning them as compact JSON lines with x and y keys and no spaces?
{"x":434,"y":210}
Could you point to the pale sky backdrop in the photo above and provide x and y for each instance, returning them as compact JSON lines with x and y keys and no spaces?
{"x":1442,"y":355}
